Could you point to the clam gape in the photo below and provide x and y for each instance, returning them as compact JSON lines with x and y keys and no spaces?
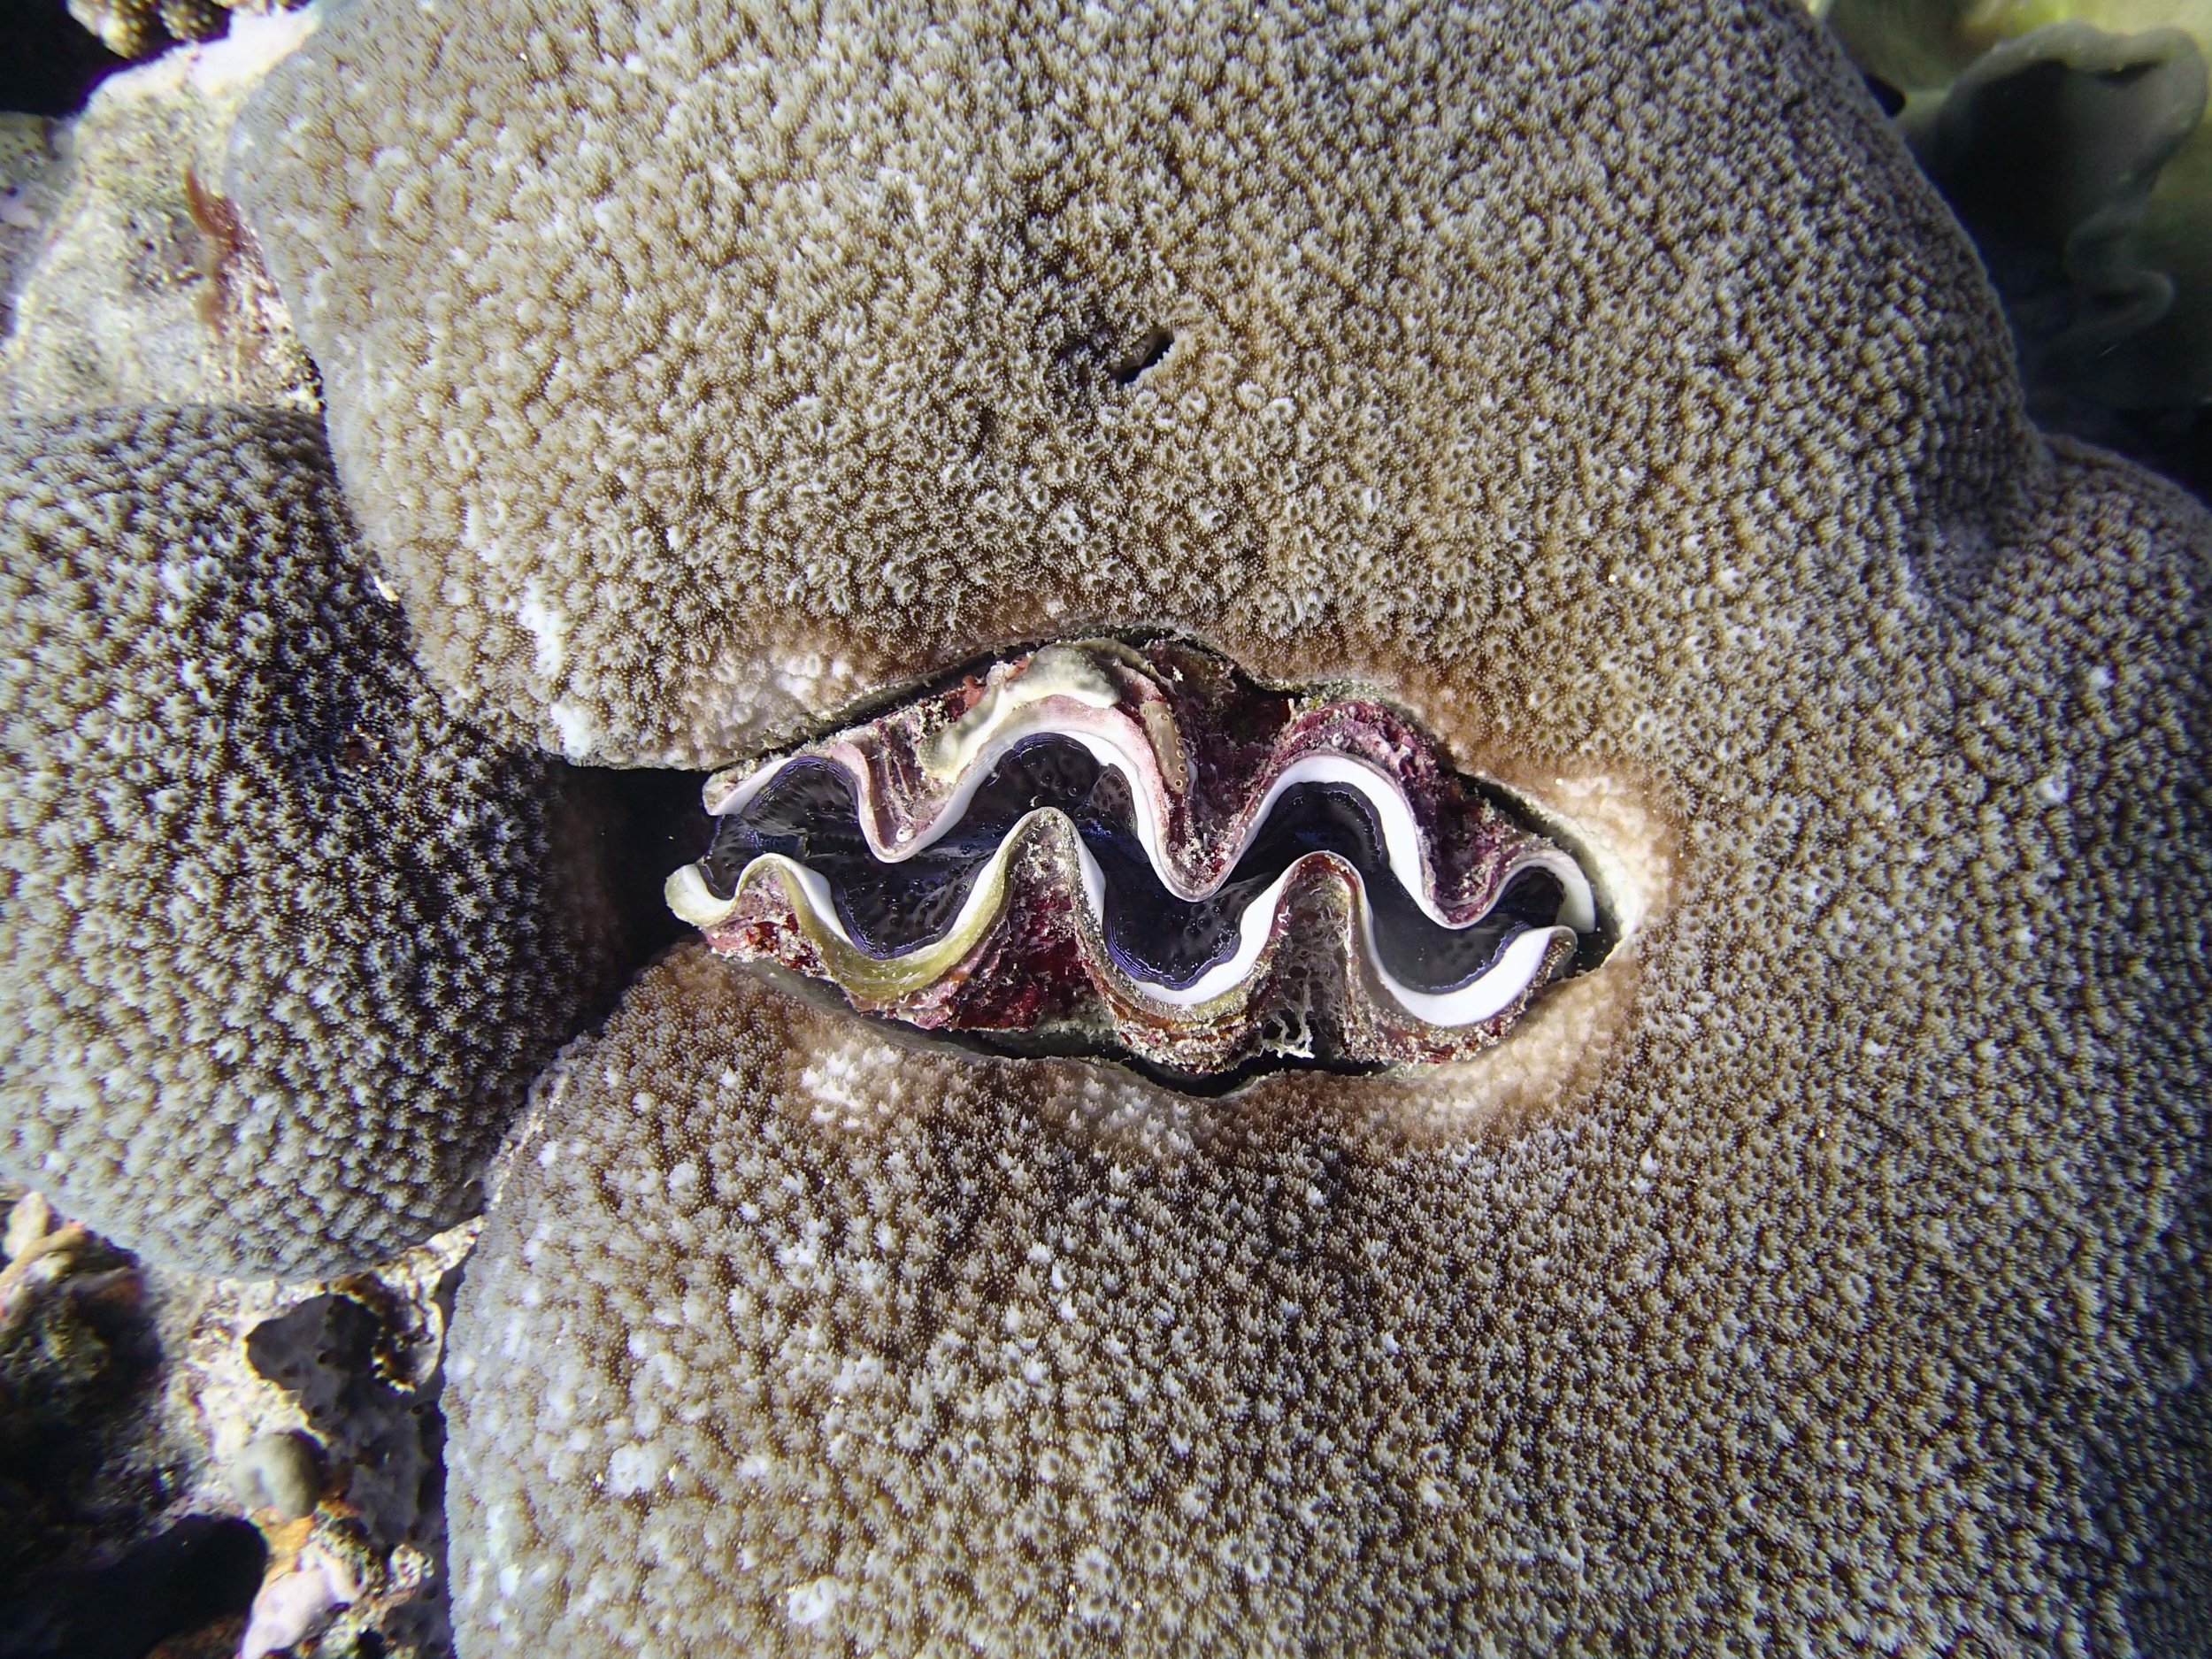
{"x":1134,"y":849}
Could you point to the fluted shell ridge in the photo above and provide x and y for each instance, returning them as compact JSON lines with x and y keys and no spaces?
{"x":1101,"y":844}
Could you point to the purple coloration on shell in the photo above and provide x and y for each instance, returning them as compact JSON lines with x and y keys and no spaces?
{"x":1134,"y":849}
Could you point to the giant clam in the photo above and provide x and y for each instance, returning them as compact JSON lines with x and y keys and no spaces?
{"x":1101,"y":845}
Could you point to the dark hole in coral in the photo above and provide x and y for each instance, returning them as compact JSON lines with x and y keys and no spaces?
{"x":357,"y":752}
{"x":649,"y":823}
{"x":1888,"y":97}
{"x":1150,"y":348}
{"x":50,"y":62}
{"x":204,"y":1568}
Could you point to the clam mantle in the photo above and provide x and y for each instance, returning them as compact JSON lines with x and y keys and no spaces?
{"x":1100,"y":847}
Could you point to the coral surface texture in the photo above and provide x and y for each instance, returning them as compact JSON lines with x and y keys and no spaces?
{"x":694,"y":371}
{"x":286,"y":942}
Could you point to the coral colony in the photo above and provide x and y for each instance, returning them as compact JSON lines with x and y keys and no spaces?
{"x":1452,"y":900}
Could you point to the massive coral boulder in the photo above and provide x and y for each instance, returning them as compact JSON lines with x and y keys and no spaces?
{"x":1826,"y":1267}
{"x":286,"y":941}
{"x":696,"y":373}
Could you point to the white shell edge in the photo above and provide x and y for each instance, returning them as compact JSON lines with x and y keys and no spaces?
{"x":1484,"y":997}
{"x":1130,"y":754}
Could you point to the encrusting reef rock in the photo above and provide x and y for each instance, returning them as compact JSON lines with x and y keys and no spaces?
{"x":134,"y":284}
{"x":287,"y":943}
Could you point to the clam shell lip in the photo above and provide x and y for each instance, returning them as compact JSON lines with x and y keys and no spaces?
{"x":1118,"y":742}
{"x":1518,"y":967}
{"x":1203,"y":815}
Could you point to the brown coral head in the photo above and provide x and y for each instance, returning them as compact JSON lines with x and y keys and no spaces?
{"x":1136,"y":850}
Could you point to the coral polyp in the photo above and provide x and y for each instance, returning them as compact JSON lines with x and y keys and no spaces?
{"x":1096,"y":845}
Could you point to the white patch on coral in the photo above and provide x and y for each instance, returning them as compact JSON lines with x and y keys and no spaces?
{"x":634,"y":1469}
{"x":577,"y":728}
{"x":858,"y":1079}
{"x":256,"y":43}
{"x":813,"y":679}
{"x":548,"y":629}
{"x":811,"y":1603}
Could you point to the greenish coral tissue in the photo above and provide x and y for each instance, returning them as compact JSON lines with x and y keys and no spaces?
{"x":2071,"y":137}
